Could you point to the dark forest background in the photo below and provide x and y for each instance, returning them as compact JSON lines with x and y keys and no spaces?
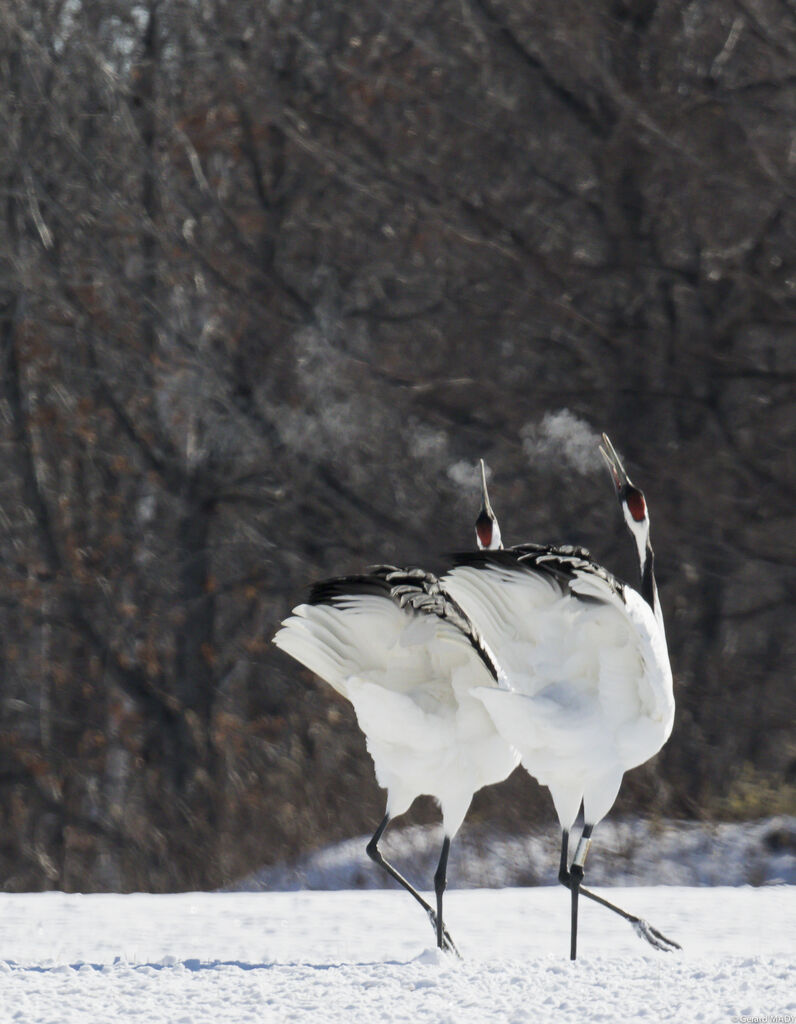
{"x":272,"y":277}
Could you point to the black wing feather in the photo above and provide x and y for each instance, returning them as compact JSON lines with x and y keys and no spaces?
{"x":562,"y":564}
{"x":414,"y":588}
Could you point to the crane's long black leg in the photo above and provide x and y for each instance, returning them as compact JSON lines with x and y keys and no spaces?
{"x":440,"y":879}
{"x":575,"y":878}
{"x":375,"y":855}
{"x":563,"y":867}
{"x":641,"y":927}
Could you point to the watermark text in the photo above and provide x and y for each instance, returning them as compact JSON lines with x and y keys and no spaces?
{"x":765,"y":1018}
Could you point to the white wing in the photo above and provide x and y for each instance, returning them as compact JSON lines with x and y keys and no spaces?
{"x":408,"y":675}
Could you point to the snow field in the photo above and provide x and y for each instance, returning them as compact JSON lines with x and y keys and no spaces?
{"x":348,"y":956}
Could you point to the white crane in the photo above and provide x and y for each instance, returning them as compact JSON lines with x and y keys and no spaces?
{"x":585,"y":684}
{"x":402,"y":652}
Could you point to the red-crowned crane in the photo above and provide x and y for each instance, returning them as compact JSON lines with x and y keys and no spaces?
{"x":402,"y":652}
{"x":585,"y":685}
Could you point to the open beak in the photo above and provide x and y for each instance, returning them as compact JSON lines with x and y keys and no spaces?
{"x":614,"y":463}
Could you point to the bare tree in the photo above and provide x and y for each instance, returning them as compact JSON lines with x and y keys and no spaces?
{"x":272,"y":278}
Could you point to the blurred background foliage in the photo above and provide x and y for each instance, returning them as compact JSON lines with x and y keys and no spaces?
{"x":273,"y":275}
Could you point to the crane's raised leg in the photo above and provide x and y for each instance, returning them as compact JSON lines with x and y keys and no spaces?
{"x":444,"y":941}
{"x":641,"y":927}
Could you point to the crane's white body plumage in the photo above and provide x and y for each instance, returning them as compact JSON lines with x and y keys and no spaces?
{"x":404,"y":657}
{"x":586,"y":687}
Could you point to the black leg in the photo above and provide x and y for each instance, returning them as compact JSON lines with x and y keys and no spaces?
{"x":642,"y":928}
{"x":375,"y":855}
{"x":563,"y":867}
{"x":440,"y":878}
{"x":575,"y":878}
{"x":574,"y":887}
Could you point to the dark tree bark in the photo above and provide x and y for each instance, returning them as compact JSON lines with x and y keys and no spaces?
{"x":272,"y":279}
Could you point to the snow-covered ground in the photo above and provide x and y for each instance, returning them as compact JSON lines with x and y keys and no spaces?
{"x":358,"y":953}
{"x":632,"y":852}
{"x":367,"y":956}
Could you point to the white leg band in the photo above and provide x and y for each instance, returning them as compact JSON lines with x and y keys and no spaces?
{"x":582,"y":850}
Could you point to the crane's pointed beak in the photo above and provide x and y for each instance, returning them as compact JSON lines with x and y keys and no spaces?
{"x":487,"y":530}
{"x":614,"y":463}
{"x":486,"y":508}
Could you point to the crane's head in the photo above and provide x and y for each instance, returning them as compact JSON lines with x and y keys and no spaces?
{"x":487,"y":531}
{"x":631,"y":499}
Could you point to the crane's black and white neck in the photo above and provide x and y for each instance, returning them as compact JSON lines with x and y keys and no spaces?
{"x":487,"y":530}
{"x":636,"y":514}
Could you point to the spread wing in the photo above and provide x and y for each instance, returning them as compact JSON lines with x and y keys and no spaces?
{"x":395,"y":645}
{"x":390,"y":627}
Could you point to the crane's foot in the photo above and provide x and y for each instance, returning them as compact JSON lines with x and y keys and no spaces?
{"x":447,"y":945}
{"x":655,"y":938}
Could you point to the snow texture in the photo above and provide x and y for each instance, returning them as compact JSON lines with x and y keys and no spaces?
{"x":622,"y":853}
{"x":212,"y":958}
